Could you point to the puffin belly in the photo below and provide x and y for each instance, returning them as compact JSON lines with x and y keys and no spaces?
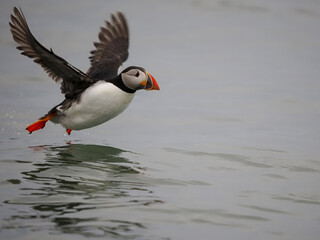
{"x":98,"y":104}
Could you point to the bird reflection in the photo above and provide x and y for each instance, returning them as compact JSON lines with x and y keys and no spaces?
{"x":76,"y":185}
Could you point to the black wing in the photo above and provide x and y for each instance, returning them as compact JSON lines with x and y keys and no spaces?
{"x":73,"y":81}
{"x":112,"y":50}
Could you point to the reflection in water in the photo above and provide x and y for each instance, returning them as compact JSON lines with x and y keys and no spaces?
{"x":77,"y":187}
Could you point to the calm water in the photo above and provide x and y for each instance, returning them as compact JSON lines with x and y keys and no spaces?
{"x":228,"y":149}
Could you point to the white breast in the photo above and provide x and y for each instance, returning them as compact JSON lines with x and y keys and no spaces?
{"x":98,"y":104}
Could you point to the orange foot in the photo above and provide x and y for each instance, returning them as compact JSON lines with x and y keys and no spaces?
{"x":41,"y":123}
{"x":69,"y":131}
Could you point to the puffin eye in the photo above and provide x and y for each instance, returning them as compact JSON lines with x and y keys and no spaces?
{"x":137,"y":74}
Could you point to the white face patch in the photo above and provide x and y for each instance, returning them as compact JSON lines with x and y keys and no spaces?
{"x":133,"y":78}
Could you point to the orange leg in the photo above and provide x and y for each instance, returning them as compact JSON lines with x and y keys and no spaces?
{"x":69,"y":131}
{"x":41,"y":123}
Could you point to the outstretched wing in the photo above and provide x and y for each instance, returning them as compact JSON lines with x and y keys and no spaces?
{"x":112,"y":49}
{"x":72,"y":79}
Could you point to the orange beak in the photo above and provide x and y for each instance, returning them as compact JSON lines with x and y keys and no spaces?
{"x":154,"y":83}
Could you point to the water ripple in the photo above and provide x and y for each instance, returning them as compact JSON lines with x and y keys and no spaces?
{"x":313,"y":199}
{"x":224,"y":156}
{"x":75,"y":187}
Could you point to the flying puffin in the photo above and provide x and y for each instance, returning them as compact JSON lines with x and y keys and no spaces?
{"x":94,"y":97}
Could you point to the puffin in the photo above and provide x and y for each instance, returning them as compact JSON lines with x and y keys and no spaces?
{"x":96,"y":96}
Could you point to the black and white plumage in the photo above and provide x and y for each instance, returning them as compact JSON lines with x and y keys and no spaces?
{"x":96,"y":96}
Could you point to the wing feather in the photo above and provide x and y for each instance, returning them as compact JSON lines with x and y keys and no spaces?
{"x":111,"y":50}
{"x":72,"y":79}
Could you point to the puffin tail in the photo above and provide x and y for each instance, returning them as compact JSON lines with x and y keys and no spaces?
{"x":41,"y":123}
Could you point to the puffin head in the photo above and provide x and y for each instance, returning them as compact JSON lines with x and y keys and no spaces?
{"x":137,"y":78}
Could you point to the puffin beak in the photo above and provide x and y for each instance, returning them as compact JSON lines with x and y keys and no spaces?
{"x":151,"y":83}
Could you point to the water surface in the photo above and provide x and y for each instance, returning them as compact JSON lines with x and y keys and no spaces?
{"x":228,"y":149}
